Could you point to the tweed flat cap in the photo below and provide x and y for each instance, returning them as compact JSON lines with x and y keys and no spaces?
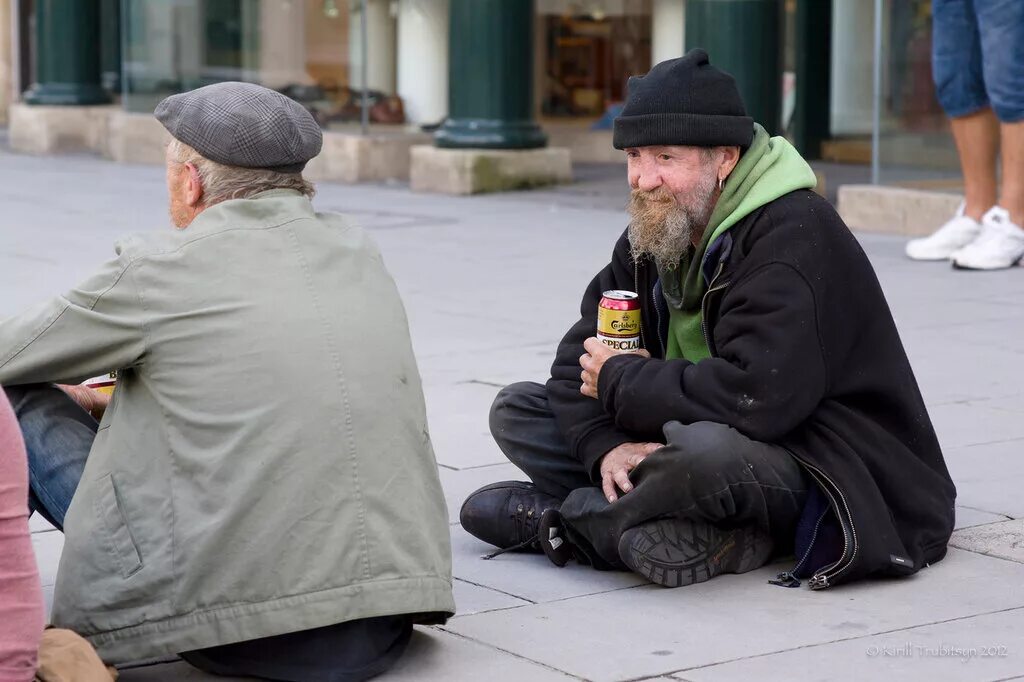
{"x":243,"y":124}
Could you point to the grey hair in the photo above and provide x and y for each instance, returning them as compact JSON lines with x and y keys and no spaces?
{"x":222,"y":182}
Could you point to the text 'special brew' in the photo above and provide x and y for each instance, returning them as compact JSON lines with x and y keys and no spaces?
{"x":618,"y":320}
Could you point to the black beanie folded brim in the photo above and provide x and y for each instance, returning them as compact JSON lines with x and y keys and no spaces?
{"x":695,"y":130}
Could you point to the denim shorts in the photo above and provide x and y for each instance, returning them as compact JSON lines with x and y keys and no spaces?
{"x":978,"y":56}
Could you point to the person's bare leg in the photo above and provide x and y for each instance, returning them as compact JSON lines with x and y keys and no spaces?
{"x":1011,"y":150}
{"x":977,"y":140}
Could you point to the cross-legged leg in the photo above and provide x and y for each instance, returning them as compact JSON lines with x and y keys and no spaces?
{"x":524,"y":428}
{"x":708,"y":474}
{"x":58,"y":436}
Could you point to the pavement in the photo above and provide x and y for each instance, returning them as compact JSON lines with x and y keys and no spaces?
{"x":490,"y":284}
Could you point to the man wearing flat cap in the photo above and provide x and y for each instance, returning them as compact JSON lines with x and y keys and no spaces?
{"x":243,"y":500}
{"x":772,"y":411}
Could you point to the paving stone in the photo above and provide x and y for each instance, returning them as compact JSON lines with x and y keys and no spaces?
{"x":48,"y":547}
{"x":968,"y":518}
{"x":960,"y":424}
{"x":989,"y":477}
{"x":733,"y":617}
{"x":986,"y":647}
{"x":530,"y":576}
{"x":458,"y":420}
{"x":438,"y":656}
{"x":37,"y":524}
{"x":1004,"y":540}
{"x":471,"y":599}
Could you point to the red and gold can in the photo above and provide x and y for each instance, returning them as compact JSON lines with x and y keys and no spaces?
{"x":618,"y":320}
{"x":104,"y":383}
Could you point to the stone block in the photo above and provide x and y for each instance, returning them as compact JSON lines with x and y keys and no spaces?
{"x":376,"y":157}
{"x":36,"y":129}
{"x":895,"y":210}
{"x":476,"y":171}
{"x":134,"y":138}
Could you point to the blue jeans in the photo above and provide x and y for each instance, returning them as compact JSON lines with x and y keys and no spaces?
{"x":58,"y":436}
{"x":978,"y":57}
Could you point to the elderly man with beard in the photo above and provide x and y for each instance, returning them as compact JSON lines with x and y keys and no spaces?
{"x":773,"y":410}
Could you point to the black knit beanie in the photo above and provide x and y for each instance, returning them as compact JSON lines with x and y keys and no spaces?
{"x":683,"y":101}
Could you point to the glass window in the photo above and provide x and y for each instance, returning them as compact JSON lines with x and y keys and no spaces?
{"x":590,"y":49}
{"x":308,"y":49}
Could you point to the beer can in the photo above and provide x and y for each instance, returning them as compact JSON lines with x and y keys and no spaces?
{"x":618,"y":320}
{"x":104,"y":383}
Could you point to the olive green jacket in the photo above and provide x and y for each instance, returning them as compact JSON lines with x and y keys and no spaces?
{"x":264,"y":466}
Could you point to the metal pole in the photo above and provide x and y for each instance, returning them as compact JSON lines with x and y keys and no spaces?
{"x":876,"y":122}
{"x":364,"y":68}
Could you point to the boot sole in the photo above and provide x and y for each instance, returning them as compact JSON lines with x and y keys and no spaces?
{"x":677,"y":552}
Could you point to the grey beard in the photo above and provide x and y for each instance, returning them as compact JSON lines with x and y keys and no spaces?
{"x":667,"y":236}
{"x":665,"y":243}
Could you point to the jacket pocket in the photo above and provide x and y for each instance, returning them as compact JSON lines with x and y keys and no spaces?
{"x":111,"y":512}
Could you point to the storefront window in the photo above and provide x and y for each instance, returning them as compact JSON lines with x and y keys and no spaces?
{"x":591,"y":48}
{"x":310,"y":50}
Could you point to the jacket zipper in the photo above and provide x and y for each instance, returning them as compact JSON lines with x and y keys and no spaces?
{"x":636,"y":286}
{"x":788,"y":578}
{"x":821,"y":579}
{"x":703,"y":303}
{"x":657,"y":313}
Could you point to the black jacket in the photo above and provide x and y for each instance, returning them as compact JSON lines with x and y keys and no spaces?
{"x":805,"y":354}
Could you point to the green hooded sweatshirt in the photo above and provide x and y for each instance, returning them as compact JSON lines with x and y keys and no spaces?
{"x":769,"y":169}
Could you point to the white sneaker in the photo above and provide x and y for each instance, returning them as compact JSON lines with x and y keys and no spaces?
{"x":1000,"y":245}
{"x":960,"y":231}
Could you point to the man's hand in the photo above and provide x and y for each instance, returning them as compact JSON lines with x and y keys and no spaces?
{"x":617,"y":463}
{"x":593,"y":361}
{"x":92,"y":401}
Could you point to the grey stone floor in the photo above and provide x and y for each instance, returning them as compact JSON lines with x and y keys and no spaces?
{"x":490,"y":284}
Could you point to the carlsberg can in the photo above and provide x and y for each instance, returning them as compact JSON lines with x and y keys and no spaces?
{"x":618,"y":320}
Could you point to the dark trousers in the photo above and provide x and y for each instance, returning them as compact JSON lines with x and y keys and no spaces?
{"x":706,"y":472}
{"x":58,"y":436}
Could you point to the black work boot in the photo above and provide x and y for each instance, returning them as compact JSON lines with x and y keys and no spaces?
{"x":507,"y":515}
{"x":678,"y":552}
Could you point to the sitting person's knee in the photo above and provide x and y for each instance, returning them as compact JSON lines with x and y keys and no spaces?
{"x":506,"y":404}
{"x":706,"y":449}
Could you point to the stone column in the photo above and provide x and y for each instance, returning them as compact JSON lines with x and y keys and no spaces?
{"x":852,"y":63}
{"x":282,"y":44}
{"x":743,"y":37}
{"x":490,"y":101}
{"x":668,"y":36}
{"x":380,"y":41}
{"x":67,"y":54}
{"x":423,"y":59}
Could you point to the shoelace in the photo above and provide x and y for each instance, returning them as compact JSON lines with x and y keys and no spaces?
{"x":527,"y":525}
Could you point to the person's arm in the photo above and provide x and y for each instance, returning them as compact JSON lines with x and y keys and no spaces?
{"x":768,"y":377}
{"x":21,"y":597}
{"x":588,"y":429}
{"x":97,"y":327}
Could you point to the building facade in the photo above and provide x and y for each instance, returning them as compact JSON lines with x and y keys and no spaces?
{"x":387,"y":61}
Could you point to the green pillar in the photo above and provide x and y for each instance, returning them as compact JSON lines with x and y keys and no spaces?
{"x":813,"y":76}
{"x":743,"y":37}
{"x":490,"y":86}
{"x":67,"y":54}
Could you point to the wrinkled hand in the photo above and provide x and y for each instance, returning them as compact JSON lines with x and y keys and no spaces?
{"x":593,"y":361}
{"x":92,"y":401}
{"x":617,"y":463}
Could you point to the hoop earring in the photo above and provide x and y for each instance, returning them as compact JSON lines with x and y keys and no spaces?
{"x":721,"y":184}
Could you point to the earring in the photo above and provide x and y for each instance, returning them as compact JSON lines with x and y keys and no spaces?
{"x":721,"y":184}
